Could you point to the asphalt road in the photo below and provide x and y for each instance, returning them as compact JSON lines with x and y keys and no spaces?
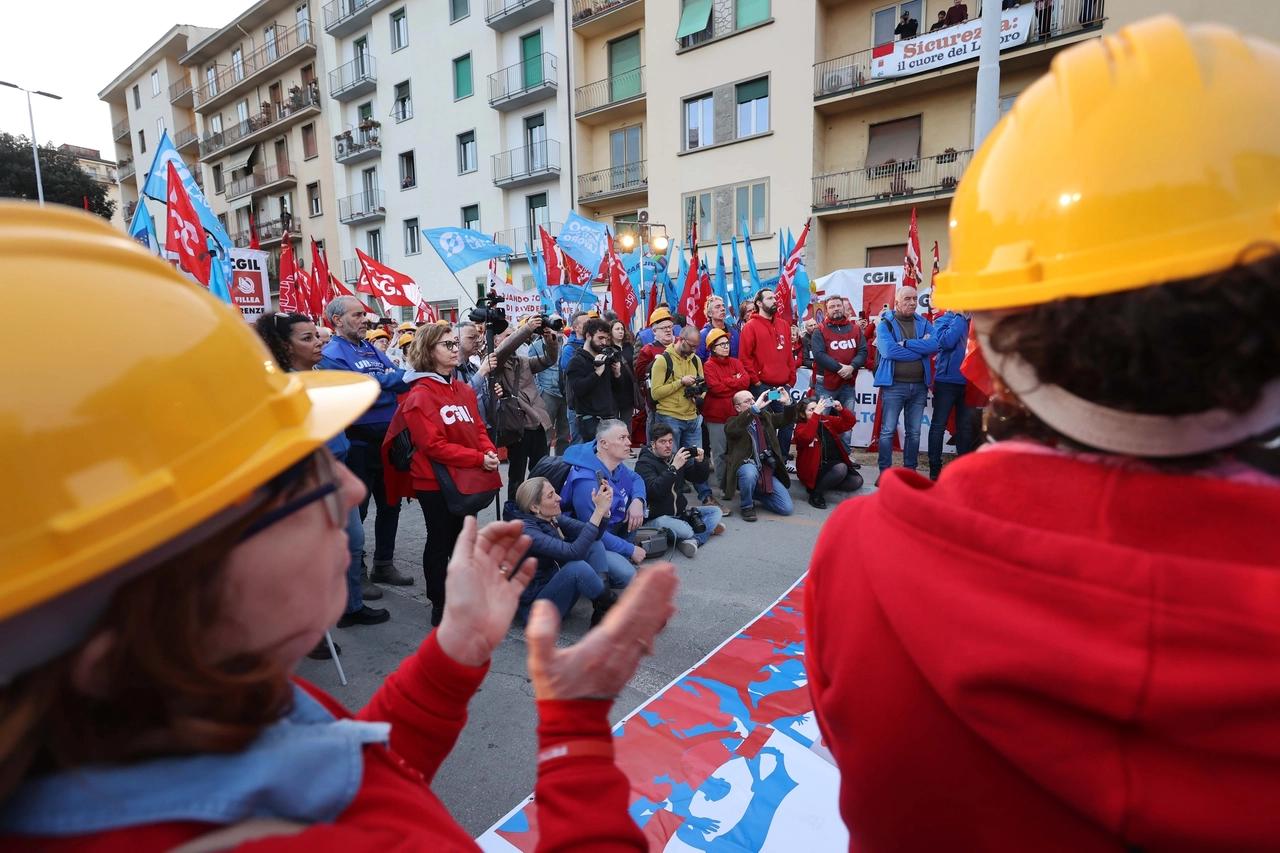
{"x":491,"y":769}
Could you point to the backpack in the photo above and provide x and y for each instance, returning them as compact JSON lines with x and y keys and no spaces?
{"x":554,"y":468}
{"x":671,"y":366}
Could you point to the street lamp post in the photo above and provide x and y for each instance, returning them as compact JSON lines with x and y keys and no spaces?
{"x":656,"y":241}
{"x":35,"y":150}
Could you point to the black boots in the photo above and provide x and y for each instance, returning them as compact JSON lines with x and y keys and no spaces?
{"x":817,"y":500}
{"x":600,"y":606}
{"x":388,"y":573}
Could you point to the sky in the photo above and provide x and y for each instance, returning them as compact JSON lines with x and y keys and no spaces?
{"x":75,"y":48}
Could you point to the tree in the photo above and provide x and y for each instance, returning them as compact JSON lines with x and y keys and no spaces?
{"x":65,"y":182}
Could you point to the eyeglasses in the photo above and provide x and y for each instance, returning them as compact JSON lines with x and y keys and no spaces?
{"x":330,"y":491}
{"x":449,"y":345}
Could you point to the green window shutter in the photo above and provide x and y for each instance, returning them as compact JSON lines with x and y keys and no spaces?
{"x":462,"y":77}
{"x":624,"y":68}
{"x":754,"y":89}
{"x":750,"y":12}
{"x":695,"y":17}
{"x":531,"y":53}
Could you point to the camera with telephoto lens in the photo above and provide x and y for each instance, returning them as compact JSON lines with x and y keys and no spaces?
{"x":493,"y":317}
{"x":610,"y":355}
{"x":699,"y":386}
{"x":556,"y":325}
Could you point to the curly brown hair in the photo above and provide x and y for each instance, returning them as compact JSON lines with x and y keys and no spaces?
{"x":276,"y":330}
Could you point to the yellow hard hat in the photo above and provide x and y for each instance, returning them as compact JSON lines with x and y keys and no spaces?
{"x":407,"y":327}
{"x":1143,"y":157}
{"x":715,"y":336}
{"x":659,"y":315}
{"x":373,"y":335}
{"x":404,"y":341}
{"x":142,"y":441}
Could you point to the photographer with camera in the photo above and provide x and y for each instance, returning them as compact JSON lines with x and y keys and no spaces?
{"x":592,"y":377}
{"x":822,"y":462}
{"x":756,"y":464}
{"x":515,"y":375}
{"x":664,"y":470}
{"x":678,"y":384}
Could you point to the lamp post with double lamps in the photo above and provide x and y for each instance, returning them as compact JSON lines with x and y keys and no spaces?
{"x":35,"y":151}
{"x":651,"y":236}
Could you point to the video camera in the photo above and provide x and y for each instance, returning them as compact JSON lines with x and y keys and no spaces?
{"x":493,"y":317}
{"x":610,"y":355}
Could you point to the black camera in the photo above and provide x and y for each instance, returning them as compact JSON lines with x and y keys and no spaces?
{"x":692,"y":451}
{"x":493,"y":317}
{"x":556,"y":325}
{"x":690,"y":516}
{"x":610,"y":355}
{"x":699,"y":386}
{"x":768,"y":460}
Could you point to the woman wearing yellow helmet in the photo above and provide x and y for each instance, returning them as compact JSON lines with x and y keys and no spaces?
{"x":172,"y":544}
{"x":1068,"y":642}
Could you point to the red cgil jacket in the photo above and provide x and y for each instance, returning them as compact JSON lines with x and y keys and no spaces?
{"x":1046,"y":652}
{"x":809,"y":454}
{"x":582,"y":801}
{"x":446,"y":426}
{"x":758,"y":349}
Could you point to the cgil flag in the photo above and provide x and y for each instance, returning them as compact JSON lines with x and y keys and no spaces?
{"x":787,"y":278}
{"x":156,"y":186}
{"x":319,"y":280}
{"x":911,"y":272}
{"x":185,"y":238}
{"x":459,"y":248}
{"x":622,"y":296}
{"x":554,"y":274}
{"x":385,"y":284}
{"x":289,"y":301}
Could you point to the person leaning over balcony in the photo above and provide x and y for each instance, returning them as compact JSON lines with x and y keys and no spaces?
{"x":957,"y":13}
{"x":941,"y":22}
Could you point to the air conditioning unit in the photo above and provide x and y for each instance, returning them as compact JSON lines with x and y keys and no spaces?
{"x":642,"y":216}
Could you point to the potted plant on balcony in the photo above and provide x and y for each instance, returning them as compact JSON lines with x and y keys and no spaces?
{"x":948,"y":155}
{"x":885,"y":169}
{"x":949,"y":182}
{"x":369,"y":124}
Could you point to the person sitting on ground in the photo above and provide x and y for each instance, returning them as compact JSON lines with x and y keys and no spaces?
{"x":665,"y":469}
{"x":823,"y":464}
{"x":603,"y":459}
{"x":571,"y":558}
{"x":756,"y":465}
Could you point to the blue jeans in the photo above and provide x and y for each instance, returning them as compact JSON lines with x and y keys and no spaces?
{"x":847,"y":396}
{"x":711,"y":516}
{"x":574,"y":579}
{"x":947,"y":396}
{"x":688,"y":434}
{"x":905,"y":399}
{"x":355,"y":543}
{"x":619,"y":567}
{"x":748,"y":477}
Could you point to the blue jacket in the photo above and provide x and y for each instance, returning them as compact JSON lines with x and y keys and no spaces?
{"x":547,"y":381}
{"x":552,"y":551}
{"x":953,"y":338}
{"x":887,"y":335}
{"x":341,"y":354}
{"x":704,"y":353}
{"x":581,"y":482}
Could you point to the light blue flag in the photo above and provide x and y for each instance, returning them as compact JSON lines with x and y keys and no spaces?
{"x":804,"y":292}
{"x":682,"y":272}
{"x":143,"y":228}
{"x":568,"y":298}
{"x":540,"y":279}
{"x":669,"y":293}
{"x":751,"y":259}
{"x":459,"y":248}
{"x":718,"y":286}
{"x":219,"y":272}
{"x":735,"y":286}
{"x":584,"y":241}
{"x":157,"y":185}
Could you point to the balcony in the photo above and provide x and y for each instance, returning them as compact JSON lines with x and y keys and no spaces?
{"x":853,"y":73}
{"x":529,"y":164}
{"x":351,"y":271}
{"x":524,"y":83}
{"x":593,"y":17}
{"x":231,"y":81}
{"x":610,"y":99}
{"x":262,"y":181}
{"x":357,"y":145}
{"x":891,"y":182}
{"x":344,"y":17}
{"x":503,"y":15}
{"x":618,"y":182}
{"x":358,"y":77}
{"x":120,"y":130}
{"x":185,"y":137}
{"x":129,"y":208}
{"x":527,"y":235}
{"x":181,"y":92}
{"x":197,"y":174}
{"x":270,"y":234}
{"x":366,"y":206}
{"x":125,"y":170}
{"x":272,"y":120}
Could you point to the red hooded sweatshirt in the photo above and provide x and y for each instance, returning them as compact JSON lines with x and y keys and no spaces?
{"x":764,"y":347}
{"x":445,"y":423}
{"x":1043,"y":652}
{"x":725,"y":377}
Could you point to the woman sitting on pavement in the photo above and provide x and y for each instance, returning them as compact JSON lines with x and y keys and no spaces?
{"x":823,"y":464}
{"x":571,"y":558}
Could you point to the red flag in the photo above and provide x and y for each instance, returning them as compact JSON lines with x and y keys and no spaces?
{"x":911,"y":272}
{"x":289,"y":302}
{"x":383,"y":282}
{"x":319,"y":279}
{"x":185,"y":236}
{"x":552,"y":258}
{"x":937,"y":261}
{"x":653,"y":303}
{"x":425,"y":314}
{"x":784,"y":294}
{"x":621,"y":294}
{"x":575,"y":273}
{"x":693,"y":298}
{"x":302,"y":285}
{"x":253,"y":232}
{"x":974,"y":368}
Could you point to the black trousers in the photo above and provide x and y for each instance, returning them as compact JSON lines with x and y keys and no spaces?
{"x":837,"y":477}
{"x":587,"y":425}
{"x":522,"y":456}
{"x":443,"y":528}
{"x":365,"y":461}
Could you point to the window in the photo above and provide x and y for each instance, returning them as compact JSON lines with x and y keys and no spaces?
{"x":313,"y":198}
{"x":237,"y":64}
{"x":471,"y":217}
{"x":137,"y":99}
{"x":1006,"y":103}
{"x":269,"y":42}
{"x":304,"y":22}
{"x":242,"y":112}
{"x":160,"y":127}
{"x":699,"y":122}
{"x":408,"y":171}
{"x":309,"y":147}
{"x":360,"y":57}
{"x":222,"y":220}
{"x":155,"y":83}
{"x":893,"y":142}
{"x":884,"y":21}
{"x":539,"y":212}
{"x":399,"y":30}
{"x":749,"y":12}
{"x":459,"y":9}
{"x":886,"y":256}
{"x":749,"y":205}
{"x":531,"y":56}
{"x":624,"y":158}
{"x":535,"y":141}
{"x":402,"y":109}
{"x":721,"y":211}
{"x":373,"y":243}
{"x":215,"y":124}
{"x":753,"y":107}
{"x":695,"y":23}
{"x":467,"y":159}
{"x":624,"y":68}
{"x":462,"y":86}
{"x":412,"y":245}
{"x":217,"y":178}
{"x":142,"y":142}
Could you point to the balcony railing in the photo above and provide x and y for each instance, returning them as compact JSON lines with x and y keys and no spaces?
{"x":197,"y":173}
{"x":627,"y":178}
{"x":120,"y":129}
{"x":850,"y":73}
{"x":358,"y":77}
{"x":261,"y":179}
{"x":523,"y":83}
{"x":125,"y":169}
{"x":370,"y":204}
{"x":527,"y":164}
{"x":351,"y":270}
{"x":228,"y":79}
{"x":180,"y":88}
{"x":186,"y":136}
{"x":300,"y":100}
{"x":584,"y":10}
{"x":357,"y":144}
{"x":626,"y":86}
{"x":269,"y":232}
{"x":129,"y":208}
{"x":891,"y":181}
{"x":503,"y":15}
{"x":518,"y":238}
{"x":343,"y":17}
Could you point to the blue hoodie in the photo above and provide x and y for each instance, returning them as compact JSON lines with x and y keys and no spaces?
{"x":887,"y":335}
{"x":581,"y":482}
{"x":341,"y":354}
{"x":953,"y":338}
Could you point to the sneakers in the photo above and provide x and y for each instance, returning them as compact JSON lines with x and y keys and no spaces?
{"x":600,"y":606}
{"x":711,"y":501}
{"x":748,"y":513}
{"x":817,"y":501}
{"x":369,"y":590}
{"x":719,"y":529}
{"x":321,"y":651}
{"x":366,"y":615}
{"x":388,"y":573}
{"x":688,"y":547}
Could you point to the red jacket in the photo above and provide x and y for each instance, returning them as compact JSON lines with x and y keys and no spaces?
{"x":725,"y":377}
{"x":809,"y":455}
{"x":446,"y":426}
{"x":644,"y":360}
{"x":1042,"y":652}
{"x":582,"y":801}
{"x":758,"y":349}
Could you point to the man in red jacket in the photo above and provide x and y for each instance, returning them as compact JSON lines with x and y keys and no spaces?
{"x":764,"y":348}
{"x":1069,"y":641}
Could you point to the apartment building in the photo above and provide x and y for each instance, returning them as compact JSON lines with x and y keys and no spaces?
{"x":101,"y":170}
{"x":150,"y":97}
{"x":257,"y":92}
